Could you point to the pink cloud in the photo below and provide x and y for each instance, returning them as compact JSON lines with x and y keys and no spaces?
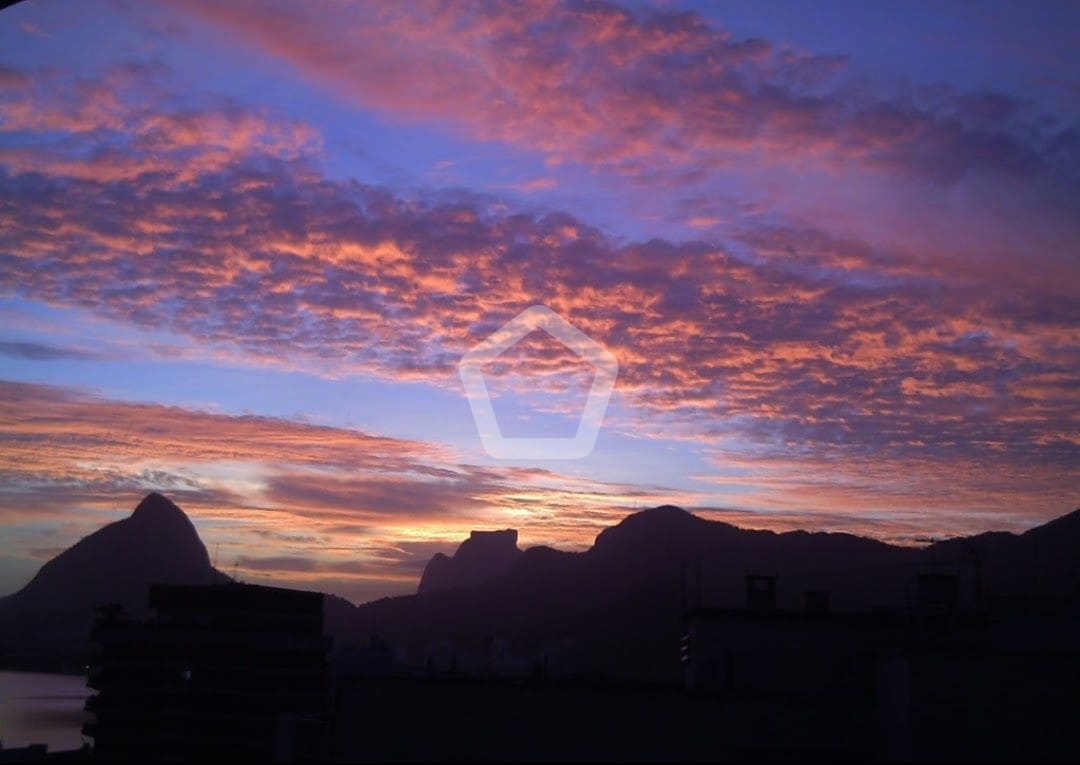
{"x":605,"y":85}
{"x":343,"y":509}
{"x":219,"y":226}
{"x":973,"y":183}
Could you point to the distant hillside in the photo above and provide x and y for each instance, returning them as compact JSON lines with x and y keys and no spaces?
{"x":47,"y":621}
{"x":615,"y":608}
{"x":483,"y":556}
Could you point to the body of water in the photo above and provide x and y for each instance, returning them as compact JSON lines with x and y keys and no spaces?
{"x":38,"y":708}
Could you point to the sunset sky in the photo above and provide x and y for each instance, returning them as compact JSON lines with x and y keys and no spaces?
{"x":834,"y":247}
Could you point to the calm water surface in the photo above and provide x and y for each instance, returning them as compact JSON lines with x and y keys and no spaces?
{"x":37,"y":708}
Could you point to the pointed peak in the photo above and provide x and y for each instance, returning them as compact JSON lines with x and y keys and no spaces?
{"x":155,"y":505}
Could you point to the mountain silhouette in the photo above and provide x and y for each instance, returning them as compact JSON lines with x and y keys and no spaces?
{"x":50,"y":616}
{"x":483,"y":556}
{"x":1044,"y":560}
{"x":615,"y":608}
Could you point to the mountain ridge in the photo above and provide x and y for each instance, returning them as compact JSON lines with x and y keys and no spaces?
{"x":49,"y":617}
{"x":483,"y":555}
{"x":612,"y":606}
{"x":618,"y":604}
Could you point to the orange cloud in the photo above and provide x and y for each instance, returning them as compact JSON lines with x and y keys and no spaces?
{"x":220,"y":227}
{"x":361,"y":511}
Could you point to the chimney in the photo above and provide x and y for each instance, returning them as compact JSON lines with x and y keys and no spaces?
{"x":760,"y":592}
{"x":816,"y":601}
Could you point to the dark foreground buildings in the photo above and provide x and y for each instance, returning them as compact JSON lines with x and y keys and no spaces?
{"x":934,"y":681}
{"x":235,"y":672}
{"x":221,"y":673}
